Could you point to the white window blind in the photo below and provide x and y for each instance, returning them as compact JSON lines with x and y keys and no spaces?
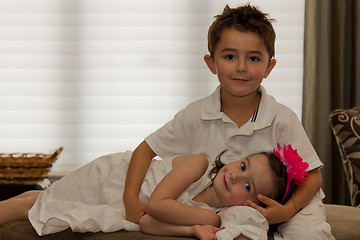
{"x":98,"y":76}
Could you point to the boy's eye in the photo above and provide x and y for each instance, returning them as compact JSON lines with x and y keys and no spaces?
{"x":247,"y":186}
{"x":253,"y":59}
{"x":229,"y":57}
{"x":243,"y":166}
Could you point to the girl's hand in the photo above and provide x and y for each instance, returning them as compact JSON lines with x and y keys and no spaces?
{"x":134,"y":210}
{"x":205,"y":232}
{"x":274,"y":212}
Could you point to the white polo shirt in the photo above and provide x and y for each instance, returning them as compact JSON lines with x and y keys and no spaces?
{"x":201,"y":127}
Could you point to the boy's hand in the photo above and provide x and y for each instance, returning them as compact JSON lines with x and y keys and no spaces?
{"x":134,"y":210}
{"x":274,"y":212}
{"x":205,"y":232}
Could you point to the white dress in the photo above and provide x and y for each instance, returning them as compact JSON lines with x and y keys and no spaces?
{"x":90,"y":199}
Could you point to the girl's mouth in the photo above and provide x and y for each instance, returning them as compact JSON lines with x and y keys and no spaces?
{"x":225,"y":183}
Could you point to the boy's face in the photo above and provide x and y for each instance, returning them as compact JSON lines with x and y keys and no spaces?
{"x":242,"y":180}
{"x":240,"y":61}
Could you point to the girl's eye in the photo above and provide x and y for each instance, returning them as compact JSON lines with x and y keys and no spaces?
{"x":247,"y":186}
{"x":253,"y":59}
{"x":229,"y":57}
{"x":243,"y":166}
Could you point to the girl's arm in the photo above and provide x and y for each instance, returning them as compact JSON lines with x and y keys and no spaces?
{"x":162,"y":204}
{"x":150,"y":225}
{"x":278,"y":213}
{"x":139,"y":164}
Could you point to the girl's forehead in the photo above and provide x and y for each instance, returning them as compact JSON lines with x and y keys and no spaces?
{"x":255,"y":159}
{"x":260,"y":157}
{"x":261,"y":173}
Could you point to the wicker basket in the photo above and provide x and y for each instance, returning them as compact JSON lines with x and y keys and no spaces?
{"x":26,"y":168}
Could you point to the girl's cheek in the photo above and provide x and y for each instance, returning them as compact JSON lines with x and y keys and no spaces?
{"x":236,"y":199}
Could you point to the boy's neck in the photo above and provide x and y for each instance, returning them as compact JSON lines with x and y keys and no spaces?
{"x":240,"y":109}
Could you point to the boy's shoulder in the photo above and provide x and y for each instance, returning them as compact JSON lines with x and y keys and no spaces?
{"x":283,"y":109}
{"x":270,"y":108}
{"x":206,"y":105}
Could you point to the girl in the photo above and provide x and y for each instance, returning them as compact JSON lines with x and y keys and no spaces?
{"x":178,"y":192}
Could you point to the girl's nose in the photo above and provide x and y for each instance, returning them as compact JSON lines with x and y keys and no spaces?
{"x":235,"y":176}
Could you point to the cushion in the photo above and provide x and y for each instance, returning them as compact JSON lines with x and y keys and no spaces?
{"x":344,"y":222}
{"x":24,"y":231}
{"x":345,"y":125}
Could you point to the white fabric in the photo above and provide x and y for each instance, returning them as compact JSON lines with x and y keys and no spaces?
{"x":90,"y":198}
{"x":201,"y":127}
{"x":304,"y":221}
{"x":242,"y":220}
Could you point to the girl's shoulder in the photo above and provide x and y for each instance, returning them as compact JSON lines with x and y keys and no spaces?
{"x":198,"y":161}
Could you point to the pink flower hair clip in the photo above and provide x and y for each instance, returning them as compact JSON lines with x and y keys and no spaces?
{"x":295,"y":167}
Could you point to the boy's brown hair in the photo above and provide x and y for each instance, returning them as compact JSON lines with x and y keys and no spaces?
{"x":245,"y":19}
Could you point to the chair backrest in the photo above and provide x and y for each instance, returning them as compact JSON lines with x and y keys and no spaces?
{"x":345,"y":125}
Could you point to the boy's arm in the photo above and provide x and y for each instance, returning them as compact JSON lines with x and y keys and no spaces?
{"x":138,"y":166}
{"x":278,"y":213}
{"x":162,"y":204}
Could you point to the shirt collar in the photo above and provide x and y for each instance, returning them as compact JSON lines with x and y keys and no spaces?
{"x":212,"y":106}
{"x":262,"y":117}
{"x":266,"y":110}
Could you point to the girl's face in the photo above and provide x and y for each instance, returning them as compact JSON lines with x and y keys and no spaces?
{"x":240,"y":61}
{"x":242,"y":180}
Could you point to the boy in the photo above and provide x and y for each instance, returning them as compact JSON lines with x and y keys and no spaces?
{"x":239,"y":116}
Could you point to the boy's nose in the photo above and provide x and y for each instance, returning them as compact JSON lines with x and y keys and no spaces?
{"x":241,"y":66}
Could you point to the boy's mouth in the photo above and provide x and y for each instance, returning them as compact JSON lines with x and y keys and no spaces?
{"x":239,"y":79}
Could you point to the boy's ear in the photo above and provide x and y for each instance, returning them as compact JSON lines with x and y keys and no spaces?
{"x":270,"y":67}
{"x":210,"y":63}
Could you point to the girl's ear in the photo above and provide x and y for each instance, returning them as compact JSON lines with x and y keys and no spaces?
{"x":210,"y":63}
{"x":270,"y":67}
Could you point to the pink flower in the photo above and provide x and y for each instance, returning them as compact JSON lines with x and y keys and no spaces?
{"x":296,"y":168}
